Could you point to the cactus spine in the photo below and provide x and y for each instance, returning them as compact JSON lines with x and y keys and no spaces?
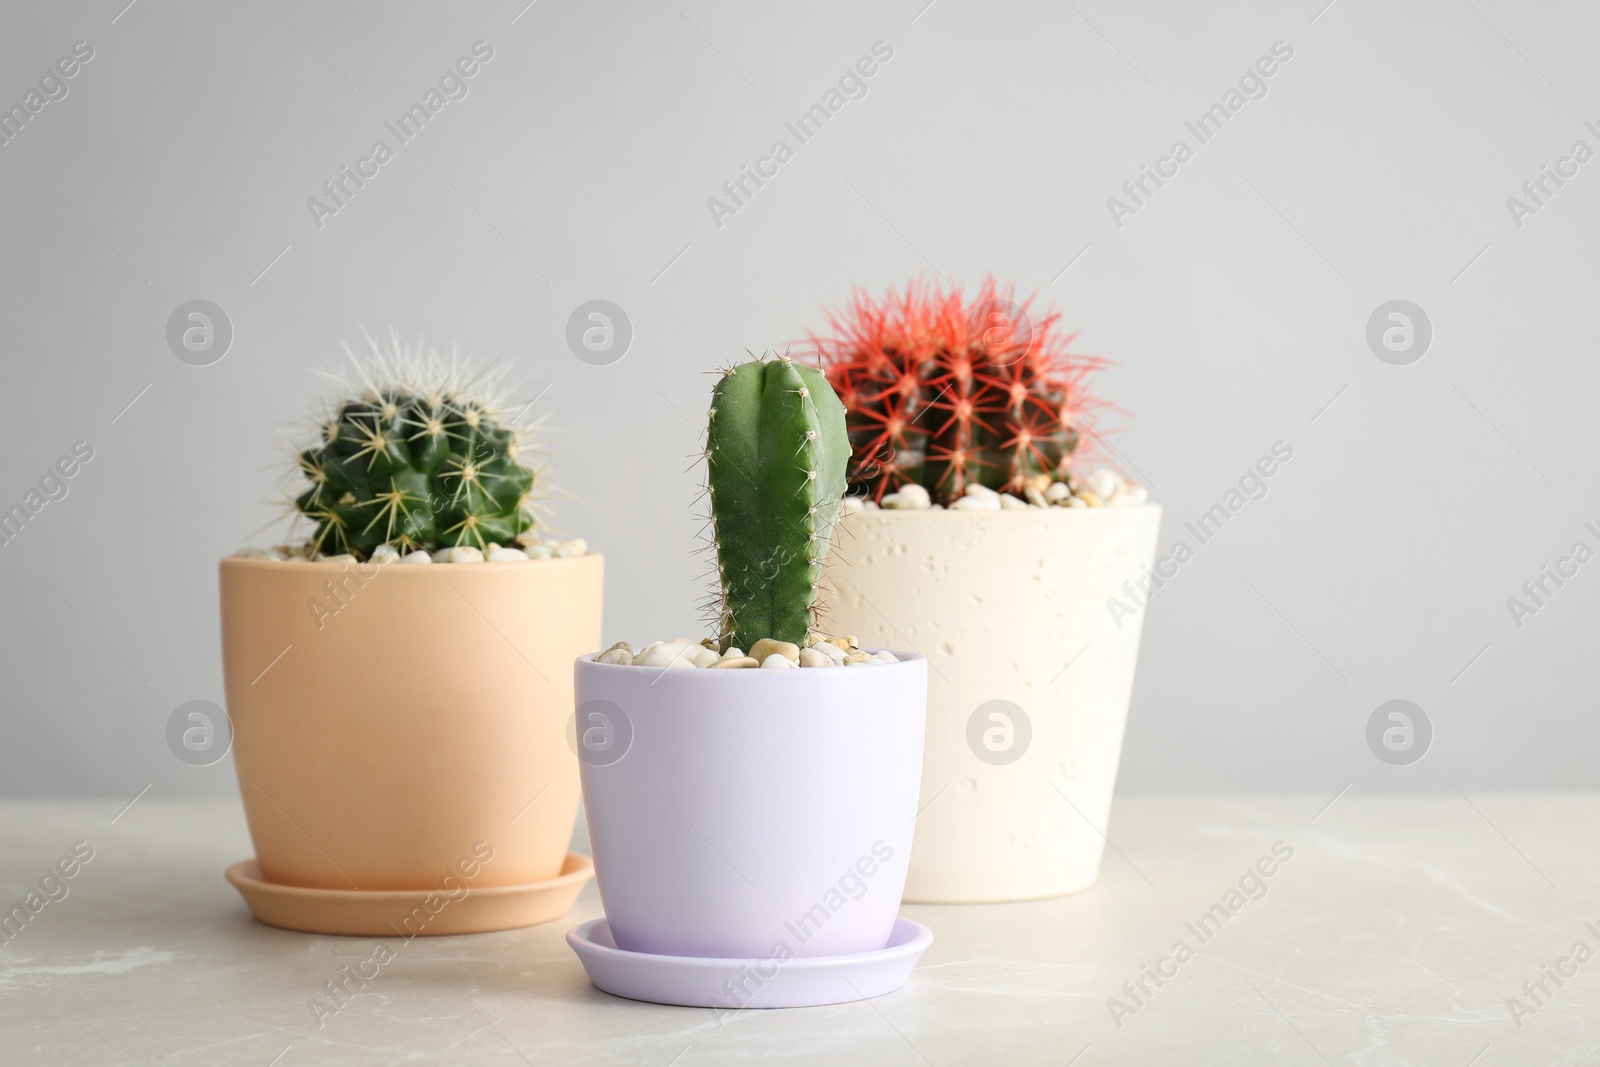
{"x":419,"y":458}
{"x":776,"y":454}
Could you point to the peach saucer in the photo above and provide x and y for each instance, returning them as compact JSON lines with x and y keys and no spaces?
{"x":406,"y":912}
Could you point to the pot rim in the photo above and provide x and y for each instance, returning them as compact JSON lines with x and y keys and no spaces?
{"x":335,"y":568}
{"x":908,"y":660}
{"x":978,"y":515}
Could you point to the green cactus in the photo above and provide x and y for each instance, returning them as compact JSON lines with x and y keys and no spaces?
{"x":418,"y":459}
{"x":777,"y":452}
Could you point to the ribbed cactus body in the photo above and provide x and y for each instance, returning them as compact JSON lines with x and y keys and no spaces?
{"x":945,"y":393}
{"x":776,"y":451}
{"x":416,"y":471}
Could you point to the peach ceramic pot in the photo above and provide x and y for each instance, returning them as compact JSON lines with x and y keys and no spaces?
{"x":387,"y":720}
{"x":751,"y":814}
{"x":1022,"y":749}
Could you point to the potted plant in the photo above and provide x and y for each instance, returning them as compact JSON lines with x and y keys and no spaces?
{"x":398,"y":681}
{"x":975,"y":534}
{"x":751,"y":822}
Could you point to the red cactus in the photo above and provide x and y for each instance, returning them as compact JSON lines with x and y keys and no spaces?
{"x":942,"y":392}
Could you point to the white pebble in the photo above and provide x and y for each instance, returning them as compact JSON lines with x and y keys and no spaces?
{"x":701,"y":656}
{"x":461,"y":554}
{"x":527,"y":539}
{"x":885,"y":656}
{"x":1132,"y":496}
{"x":831,"y":650}
{"x":385,"y":554}
{"x":259,"y":553}
{"x":850,"y":505}
{"x":416,"y":557}
{"x":974,"y":489}
{"x":811,"y":657}
{"x":871,"y":505}
{"x":665,"y":656}
{"x":777,"y":660}
{"x":1058,"y":492}
{"x":617,"y":653}
{"x":914,"y":492}
{"x":537,"y":551}
{"x":1103,"y":482}
{"x":1077,"y":502}
{"x":575,"y":547}
{"x":733,"y":653}
{"x":977,"y":503}
{"x":506,"y":555}
{"x":1011,"y":503}
{"x":910,"y":497}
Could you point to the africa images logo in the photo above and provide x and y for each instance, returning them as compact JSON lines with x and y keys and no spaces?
{"x":1252,"y":85}
{"x":453,"y":85}
{"x":53,"y":87}
{"x":852,"y":85}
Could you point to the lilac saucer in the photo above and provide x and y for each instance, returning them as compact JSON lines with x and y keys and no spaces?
{"x":700,"y":982}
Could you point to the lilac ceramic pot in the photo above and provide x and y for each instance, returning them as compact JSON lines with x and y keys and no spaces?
{"x":751,"y":813}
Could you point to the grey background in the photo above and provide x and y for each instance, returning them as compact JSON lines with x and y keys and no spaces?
{"x":1235,"y":303}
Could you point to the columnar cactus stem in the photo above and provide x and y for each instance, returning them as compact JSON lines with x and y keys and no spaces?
{"x":776,"y":452}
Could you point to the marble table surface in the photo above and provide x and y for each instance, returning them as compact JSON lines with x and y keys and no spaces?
{"x":1401,"y":930}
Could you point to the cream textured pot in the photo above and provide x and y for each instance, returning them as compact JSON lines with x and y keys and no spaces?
{"x":1021,"y":755}
{"x":387,"y":719}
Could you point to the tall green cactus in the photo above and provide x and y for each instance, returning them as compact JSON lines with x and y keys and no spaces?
{"x":777,"y":452}
{"x":417,"y":460}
